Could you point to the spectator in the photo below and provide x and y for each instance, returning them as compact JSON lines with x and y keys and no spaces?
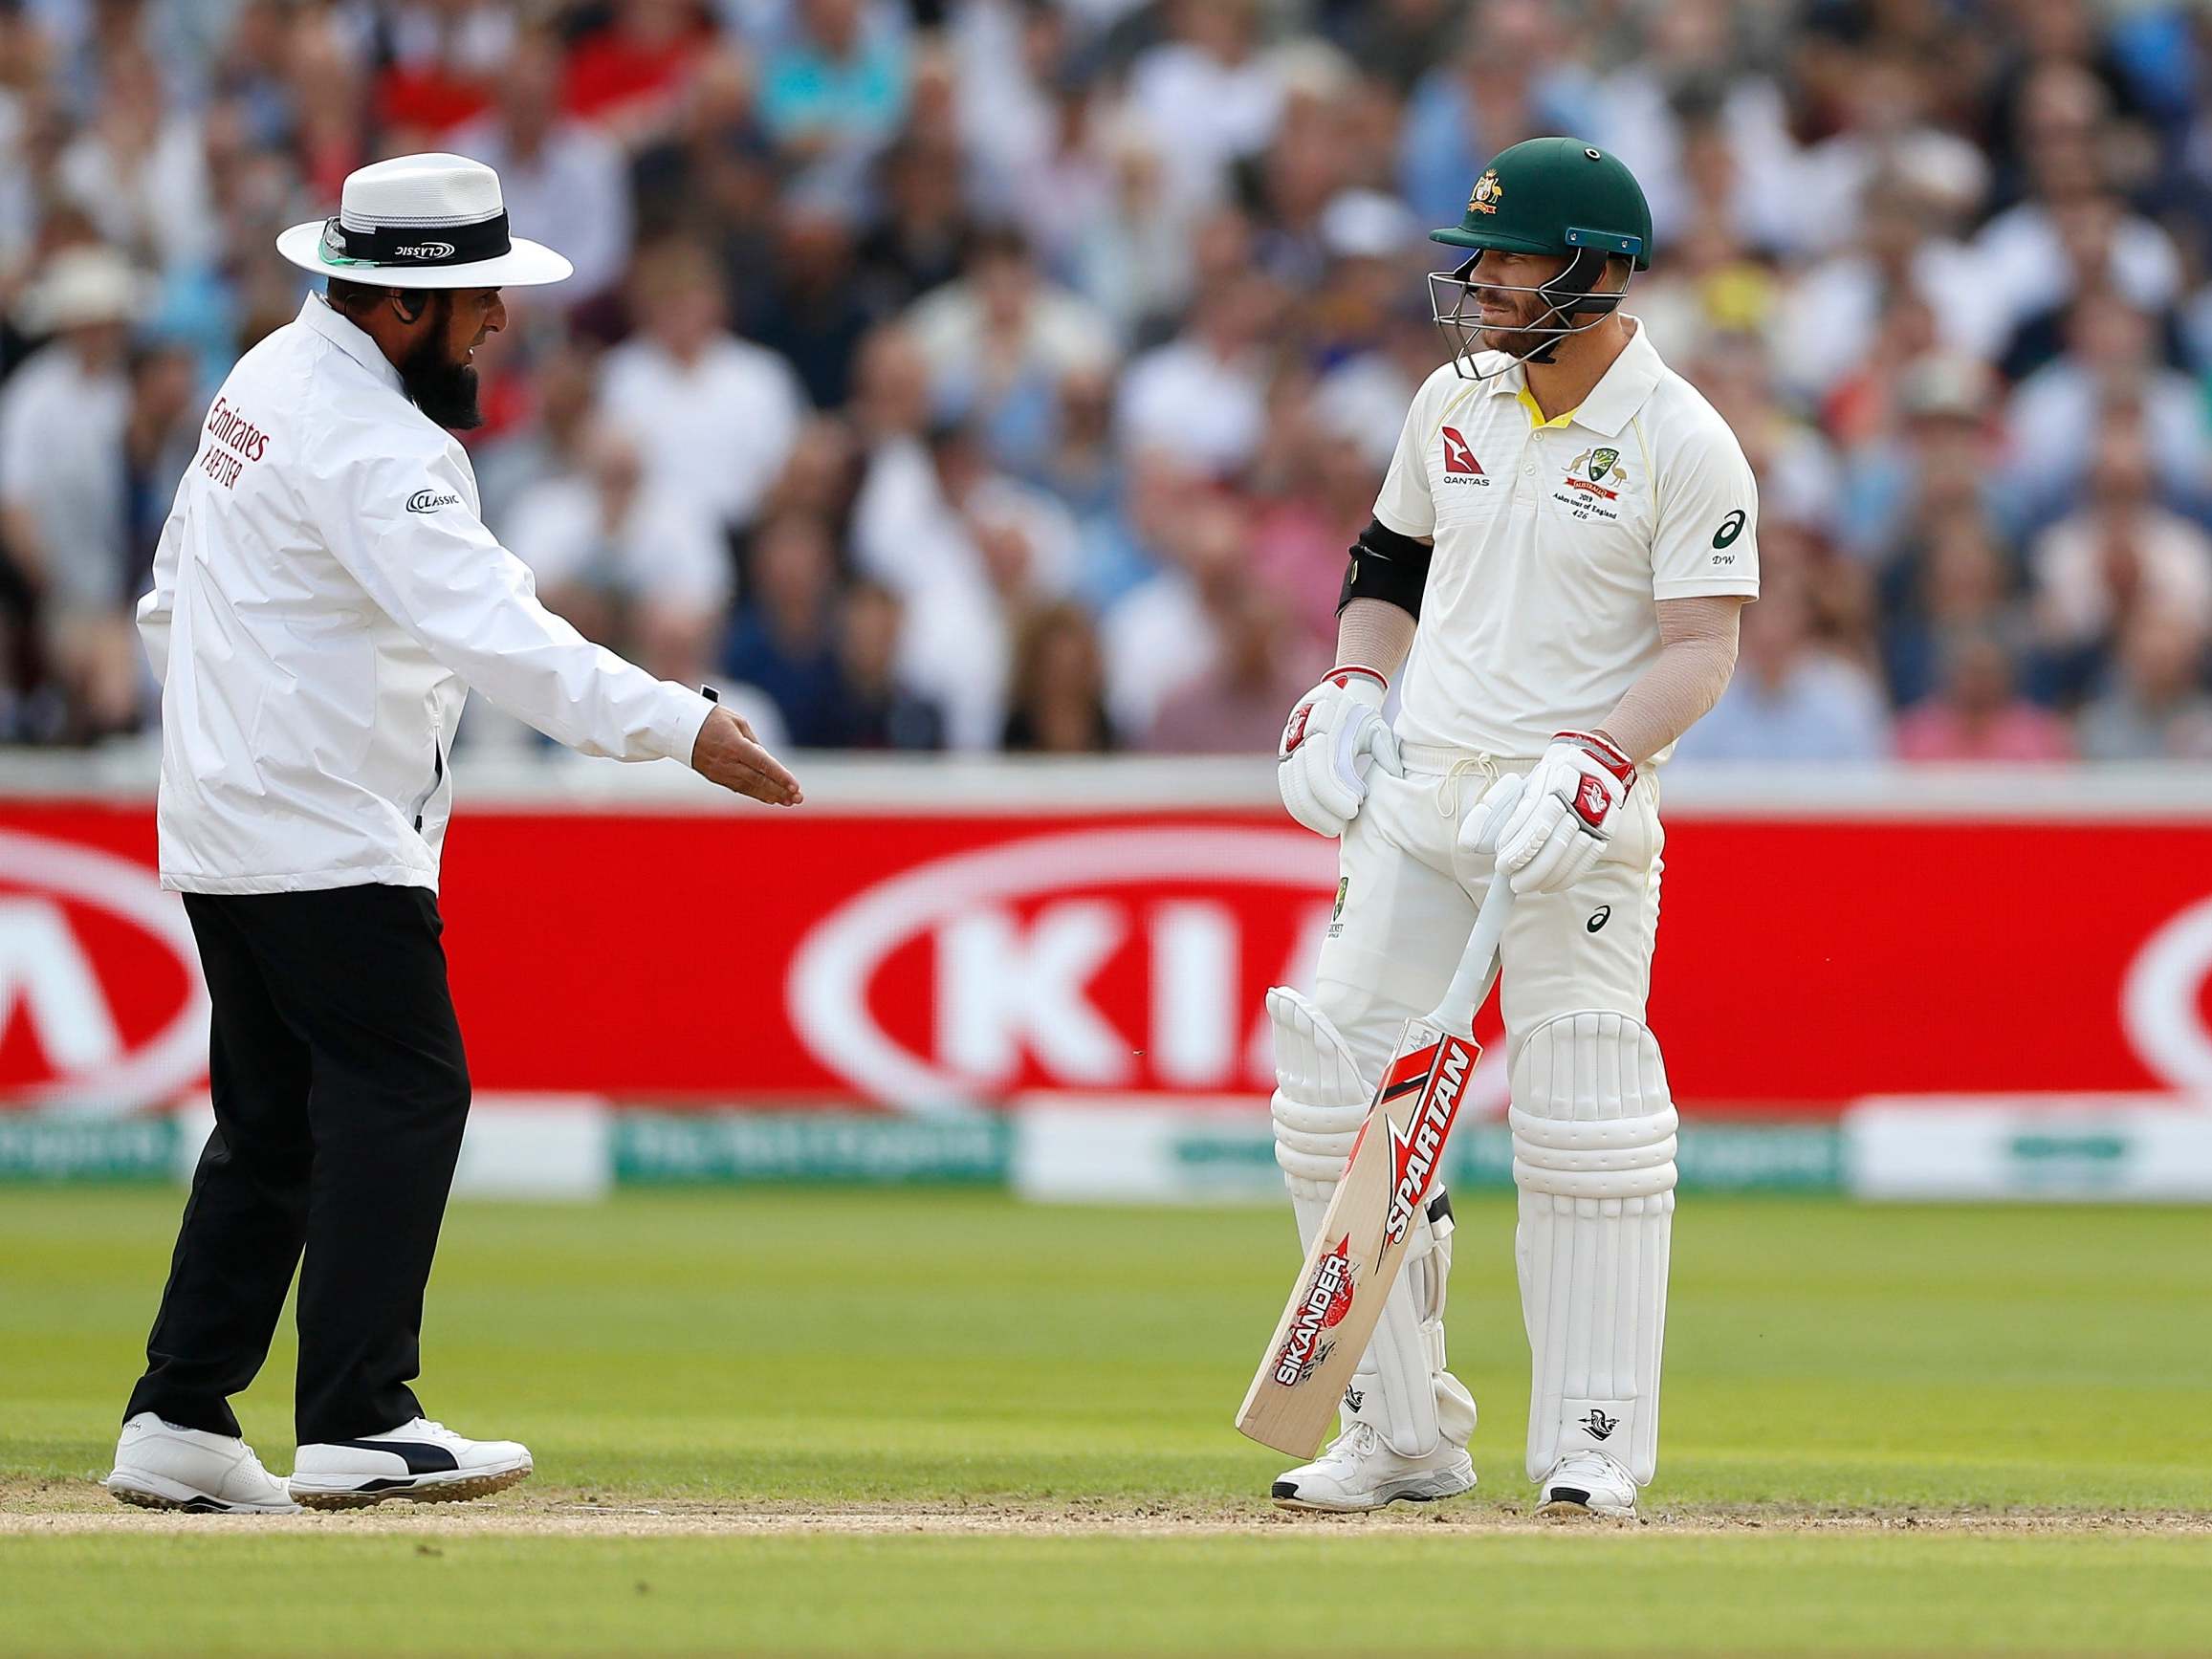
{"x":1511,"y":79}
{"x":1976,"y":715}
{"x":550,"y":442}
{"x":627,"y":74}
{"x":921,"y":237}
{"x":977,"y":554}
{"x":816,"y":318}
{"x":1057,"y":701}
{"x":1961,"y":582}
{"x":1264,"y":664}
{"x":876,"y":709}
{"x":784,"y":643}
{"x":1208,"y":91}
{"x":1170,"y":634}
{"x":1132,"y":257}
{"x":2158,"y":709}
{"x":1204,"y":395}
{"x":2111,"y":364}
{"x":159,"y":438}
{"x":716,"y":415}
{"x":2022,"y":252}
{"x":444,"y":57}
{"x":2119,"y":554}
{"x":838,"y":80}
{"x":918,"y":520}
{"x":1940,"y":457}
{"x":631,"y":563}
{"x":139,"y":171}
{"x":67,"y":566}
{"x":1022,"y":300}
{"x":559,"y":175}
{"x":1836,"y":313}
{"x":1790,"y":701}
{"x":1001,"y":341}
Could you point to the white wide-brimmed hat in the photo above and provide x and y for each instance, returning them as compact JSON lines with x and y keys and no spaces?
{"x":81,"y":287}
{"x":429,"y":221}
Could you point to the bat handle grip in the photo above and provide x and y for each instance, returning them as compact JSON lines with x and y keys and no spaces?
{"x":1471,"y":981}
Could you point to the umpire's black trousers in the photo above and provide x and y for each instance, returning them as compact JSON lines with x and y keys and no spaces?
{"x":341,"y":1091}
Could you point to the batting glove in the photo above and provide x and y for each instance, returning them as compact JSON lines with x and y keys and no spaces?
{"x":1565,"y":817}
{"x":1333,"y":736}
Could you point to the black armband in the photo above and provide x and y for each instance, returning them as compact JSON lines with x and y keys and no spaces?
{"x":1387,"y":566}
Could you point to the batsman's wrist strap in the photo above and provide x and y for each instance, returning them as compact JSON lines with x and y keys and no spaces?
{"x":1604,"y":752}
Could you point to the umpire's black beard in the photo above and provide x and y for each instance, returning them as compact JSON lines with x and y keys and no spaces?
{"x":444,"y":390}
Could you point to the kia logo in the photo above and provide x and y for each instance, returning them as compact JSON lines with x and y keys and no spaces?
{"x":1019,"y":940}
{"x":99,"y":976}
{"x":1005,"y":986}
{"x":2161,"y":998}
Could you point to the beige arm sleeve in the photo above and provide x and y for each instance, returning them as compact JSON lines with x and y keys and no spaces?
{"x":1696,"y":656}
{"x":1377,"y":634}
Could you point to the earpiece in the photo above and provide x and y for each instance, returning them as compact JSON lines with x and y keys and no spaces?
{"x":410,"y":306}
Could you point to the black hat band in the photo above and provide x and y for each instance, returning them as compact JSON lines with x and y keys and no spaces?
{"x":414,"y":244}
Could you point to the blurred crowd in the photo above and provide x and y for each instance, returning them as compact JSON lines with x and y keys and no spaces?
{"x":1013,"y":374}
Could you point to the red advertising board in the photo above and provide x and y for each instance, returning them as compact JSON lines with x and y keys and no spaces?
{"x":918,"y":956}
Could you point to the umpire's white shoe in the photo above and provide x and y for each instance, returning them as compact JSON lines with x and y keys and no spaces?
{"x":1358,"y":1472}
{"x":161,"y":1466}
{"x":1587,"y":1483}
{"x":424,"y":1461}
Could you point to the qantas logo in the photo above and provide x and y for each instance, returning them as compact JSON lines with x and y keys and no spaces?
{"x":1327,"y":1299}
{"x":1417,"y":1147}
{"x":1458,"y":459}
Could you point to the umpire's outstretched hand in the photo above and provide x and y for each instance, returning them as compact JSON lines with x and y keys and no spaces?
{"x":728,"y":754}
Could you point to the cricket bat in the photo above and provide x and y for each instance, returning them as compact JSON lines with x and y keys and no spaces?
{"x":1338,"y":1298}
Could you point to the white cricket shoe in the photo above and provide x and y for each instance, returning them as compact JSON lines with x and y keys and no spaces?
{"x":424,"y":1461}
{"x":1587,"y":1483}
{"x":161,"y":1466}
{"x":1358,"y":1472}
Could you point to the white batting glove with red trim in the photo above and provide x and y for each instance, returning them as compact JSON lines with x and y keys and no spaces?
{"x":1565,"y":817}
{"x":1334,"y":735}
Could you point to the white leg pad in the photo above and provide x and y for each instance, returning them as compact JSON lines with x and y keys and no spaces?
{"x":1593,"y":1157}
{"x":1321,"y":1101}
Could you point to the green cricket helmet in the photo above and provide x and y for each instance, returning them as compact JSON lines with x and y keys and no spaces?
{"x":1559,"y":197}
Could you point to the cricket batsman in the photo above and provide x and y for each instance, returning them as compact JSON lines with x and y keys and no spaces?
{"x":1567,"y":534}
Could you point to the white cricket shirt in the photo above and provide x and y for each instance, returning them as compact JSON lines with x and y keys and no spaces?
{"x":324,"y":593}
{"x":1553,"y":541}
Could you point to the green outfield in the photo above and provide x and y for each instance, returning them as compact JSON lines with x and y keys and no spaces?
{"x":867,"y":1423}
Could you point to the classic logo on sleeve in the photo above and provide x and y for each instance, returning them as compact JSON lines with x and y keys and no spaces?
{"x":430,"y":500}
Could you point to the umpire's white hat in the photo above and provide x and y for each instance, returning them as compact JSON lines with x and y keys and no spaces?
{"x":427,"y":221}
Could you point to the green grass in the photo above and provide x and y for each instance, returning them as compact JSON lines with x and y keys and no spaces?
{"x":827,"y":1349}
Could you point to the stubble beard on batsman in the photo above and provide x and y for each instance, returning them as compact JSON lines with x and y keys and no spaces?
{"x":1515,"y":334}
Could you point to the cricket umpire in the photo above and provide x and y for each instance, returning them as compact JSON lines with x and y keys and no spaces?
{"x":324,"y":593}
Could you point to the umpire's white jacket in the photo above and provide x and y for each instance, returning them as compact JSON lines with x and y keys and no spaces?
{"x":323,"y":594}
